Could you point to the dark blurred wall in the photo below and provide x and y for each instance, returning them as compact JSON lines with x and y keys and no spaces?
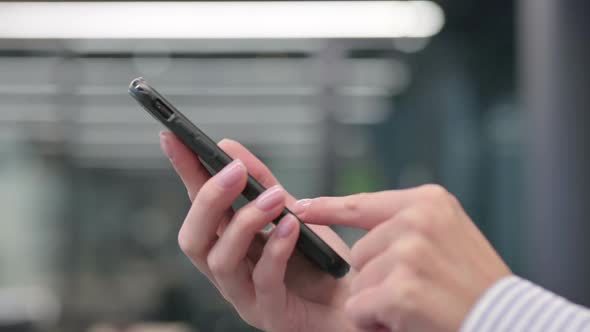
{"x":555,"y":62}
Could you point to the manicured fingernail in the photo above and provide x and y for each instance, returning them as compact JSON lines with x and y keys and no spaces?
{"x":165,"y":145}
{"x":286,"y":226}
{"x":301,"y":205}
{"x":231,"y":174}
{"x":269,"y":199}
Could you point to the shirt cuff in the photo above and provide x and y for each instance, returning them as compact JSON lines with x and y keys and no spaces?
{"x":515,"y":304}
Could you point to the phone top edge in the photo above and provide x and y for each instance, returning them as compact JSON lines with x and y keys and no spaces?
{"x":150,"y":99}
{"x":139,"y":89}
{"x":135,"y":82}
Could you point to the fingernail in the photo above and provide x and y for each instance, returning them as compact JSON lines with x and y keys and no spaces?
{"x":301,"y":205}
{"x":231,"y":174}
{"x":269,"y":199}
{"x":286,"y":226}
{"x":165,"y":145}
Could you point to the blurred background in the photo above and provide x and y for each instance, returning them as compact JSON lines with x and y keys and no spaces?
{"x":488,"y":98}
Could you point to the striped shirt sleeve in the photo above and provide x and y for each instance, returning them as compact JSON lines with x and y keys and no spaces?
{"x":515,"y":304}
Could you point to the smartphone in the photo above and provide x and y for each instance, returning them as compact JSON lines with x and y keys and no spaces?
{"x":215,"y":159}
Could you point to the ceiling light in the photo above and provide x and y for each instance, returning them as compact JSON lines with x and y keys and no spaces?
{"x":193,"y":20}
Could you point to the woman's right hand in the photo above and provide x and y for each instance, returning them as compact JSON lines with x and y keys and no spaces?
{"x":270,"y":288}
{"x":422,"y":265}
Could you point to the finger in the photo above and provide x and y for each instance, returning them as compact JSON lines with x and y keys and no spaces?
{"x":373,"y":273}
{"x":374,"y":243}
{"x":269,"y":273}
{"x":414,"y":219}
{"x":199,"y":230}
{"x":192,"y":173}
{"x":327,"y":234}
{"x":411,"y":250}
{"x":362,"y":308}
{"x":365,"y":210}
{"x":386,"y":303}
{"x":261,"y":173}
{"x":227,"y":259}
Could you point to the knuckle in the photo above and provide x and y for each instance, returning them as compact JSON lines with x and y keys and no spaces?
{"x":217,"y":265}
{"x":411,"y":250}
{"x":275,"y":254}
{"x":442,"y":200}
{"x":408,"y":291}
{"x":248,"y":220}
{"x":409,"y":217}
{"x":185,"y":243}
{"x":425,"y":225}
{"x":352,"y":204}
{"x":420,"y":219}
{"x":206,"y":197}
{"x":435,"y":192}
{"x":188,"y":245}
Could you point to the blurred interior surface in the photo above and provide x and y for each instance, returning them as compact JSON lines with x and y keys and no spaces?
{"x":91,"y":207}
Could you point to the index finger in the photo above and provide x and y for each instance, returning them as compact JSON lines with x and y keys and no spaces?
{"x":365,"y":210}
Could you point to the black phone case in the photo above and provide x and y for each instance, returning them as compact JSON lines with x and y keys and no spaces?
{"x":309,"y":243}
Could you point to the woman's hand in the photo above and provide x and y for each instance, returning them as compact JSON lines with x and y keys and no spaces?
{"x":423,"y":264}
{"x":254,"y":271}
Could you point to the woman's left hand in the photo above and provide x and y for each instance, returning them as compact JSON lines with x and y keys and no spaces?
{"x":422,"y":265}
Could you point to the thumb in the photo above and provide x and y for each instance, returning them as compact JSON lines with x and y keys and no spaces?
{"x":365,"y":210}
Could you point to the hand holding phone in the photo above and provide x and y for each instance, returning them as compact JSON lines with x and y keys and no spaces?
{"x":271,"y":285}
{"x":215,"y":159}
